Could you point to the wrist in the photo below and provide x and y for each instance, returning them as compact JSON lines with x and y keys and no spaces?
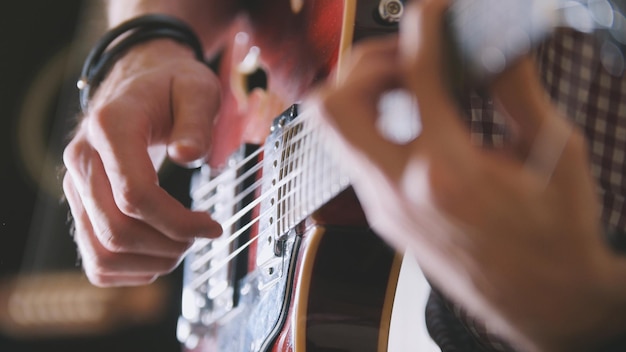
{"x":116,"y":43}
{"x":605,"y":329}
{"x":147,"y":55}
{"x":209,"y":19}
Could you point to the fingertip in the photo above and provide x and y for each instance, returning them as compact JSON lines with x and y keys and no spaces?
{"x":205,"y":226}
{"x":212,"y":230}
{"x":420,"y":31}
{"x":187,"y":152}
{"x":216,"y":229}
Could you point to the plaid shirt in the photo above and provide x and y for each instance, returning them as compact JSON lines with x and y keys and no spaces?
{"x":594,"y":99}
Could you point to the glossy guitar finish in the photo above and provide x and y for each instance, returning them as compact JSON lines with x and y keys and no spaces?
{"x":297,"y":268}
{"x":343,"y":292}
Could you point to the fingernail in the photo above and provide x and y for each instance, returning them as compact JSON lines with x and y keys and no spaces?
{"x":187,"y":152}
{"x":213,"y":230}
{"x":189,"y":142}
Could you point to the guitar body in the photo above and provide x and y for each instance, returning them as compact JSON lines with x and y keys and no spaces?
{"x":343,"y":292}
{"x":339,"y":298}
{"x":292,"y":51}
{"x":297,"y":268}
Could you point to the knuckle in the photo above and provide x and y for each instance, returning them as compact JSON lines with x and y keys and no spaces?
{"x":169,"y":265}
{"x":73,"y":152}
{"x":446,"y":187}
{"x":206,"y":83}
{"x":98,"y":280}
{"x":69,"y":153}
{"x":366,"y":49}
{"x":116,"y":241}
{"x":330,"y":101}
{"x":97,"y":270}
{"x":131,"y":199}
{"x":103,"y":263}
{"x":102,"y":119}
{"x":67,"y":184}
{"x":577,"y":144}
{"x":199,"y":76}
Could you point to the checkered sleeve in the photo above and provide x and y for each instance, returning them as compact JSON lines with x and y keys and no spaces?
{"x":572,"y":72}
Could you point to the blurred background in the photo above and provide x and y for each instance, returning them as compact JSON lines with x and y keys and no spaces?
{"x":45,"y":302}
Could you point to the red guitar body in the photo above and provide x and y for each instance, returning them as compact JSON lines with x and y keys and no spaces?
{"x":332,"y":282}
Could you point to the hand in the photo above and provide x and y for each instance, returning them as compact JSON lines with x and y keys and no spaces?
{"x":512,"y":235}
{"x":157,"y":100}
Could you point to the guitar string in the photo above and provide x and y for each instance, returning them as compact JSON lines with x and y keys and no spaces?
{"x":229,"y":258}
{"x":224,"y":245}
{"x":237,"y":216}
{"x":214,"y":251}
{"x":202,"y":278}
{"x":210,"y":186}
{"x":209,"y":203}
{"x":245,"y":210}
{"x":231,"y":184}
{"x":307,"y":125}
{"x":213,"y":184}
{"x":215,"y":268}
{"x":295,"y":151}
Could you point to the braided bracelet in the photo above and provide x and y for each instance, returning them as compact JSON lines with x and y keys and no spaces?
{"x":616,"y":240}
{"x":134,"y":31}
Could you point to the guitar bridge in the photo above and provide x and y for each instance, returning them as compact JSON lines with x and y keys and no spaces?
{"x":214,"y":268}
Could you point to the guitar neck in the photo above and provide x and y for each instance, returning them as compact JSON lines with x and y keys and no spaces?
{"x":301,"y":175}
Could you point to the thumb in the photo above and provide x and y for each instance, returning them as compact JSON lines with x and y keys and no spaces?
{"x":541,"y":131}
{"x":195,"y":100}
{"x":519,"y":92}
{"x":422,"y":54}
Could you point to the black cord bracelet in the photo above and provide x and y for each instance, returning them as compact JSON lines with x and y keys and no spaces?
{"x":616,"y":240}
{"x":137,"y":30}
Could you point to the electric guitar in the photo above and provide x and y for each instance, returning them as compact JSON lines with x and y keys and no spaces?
{"x":297,"y":267}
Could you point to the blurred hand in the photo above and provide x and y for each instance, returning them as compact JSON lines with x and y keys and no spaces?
{"x":512,"y":235}
{"x":157,"y":100}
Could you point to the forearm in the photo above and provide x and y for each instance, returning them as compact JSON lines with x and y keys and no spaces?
{"x":209,"y":19}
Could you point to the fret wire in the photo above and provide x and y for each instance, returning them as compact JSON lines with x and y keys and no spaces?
{"x":204,"y":258}
{"x":211,"y":201}
{"x":200,"y":280}
{"x":310,"y":145}
{"x":206,"y":189}
{"x":237,"y":216}
{"x":207,"y":204}
{"x":211,"y":253}
{"x":202,"y":191}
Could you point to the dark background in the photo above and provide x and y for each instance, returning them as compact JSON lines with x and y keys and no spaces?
{"x":42,"y":44}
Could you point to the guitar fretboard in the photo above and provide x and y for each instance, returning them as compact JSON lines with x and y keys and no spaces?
{"x":304,"y":175}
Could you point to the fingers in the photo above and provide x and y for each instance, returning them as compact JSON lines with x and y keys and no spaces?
{"x":115,"y":231}
{"x":420,"y":43}
{"x":519,"y":92}
{"x":195,"y":101}
{"x":542,"y":136}
{"x":422,"y":56}
{"x":123,"y":149}
{"x":103,"y":267}
{"x":384,"y":48}
{"x":129,"y":229}
{"x":350,"y":108}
